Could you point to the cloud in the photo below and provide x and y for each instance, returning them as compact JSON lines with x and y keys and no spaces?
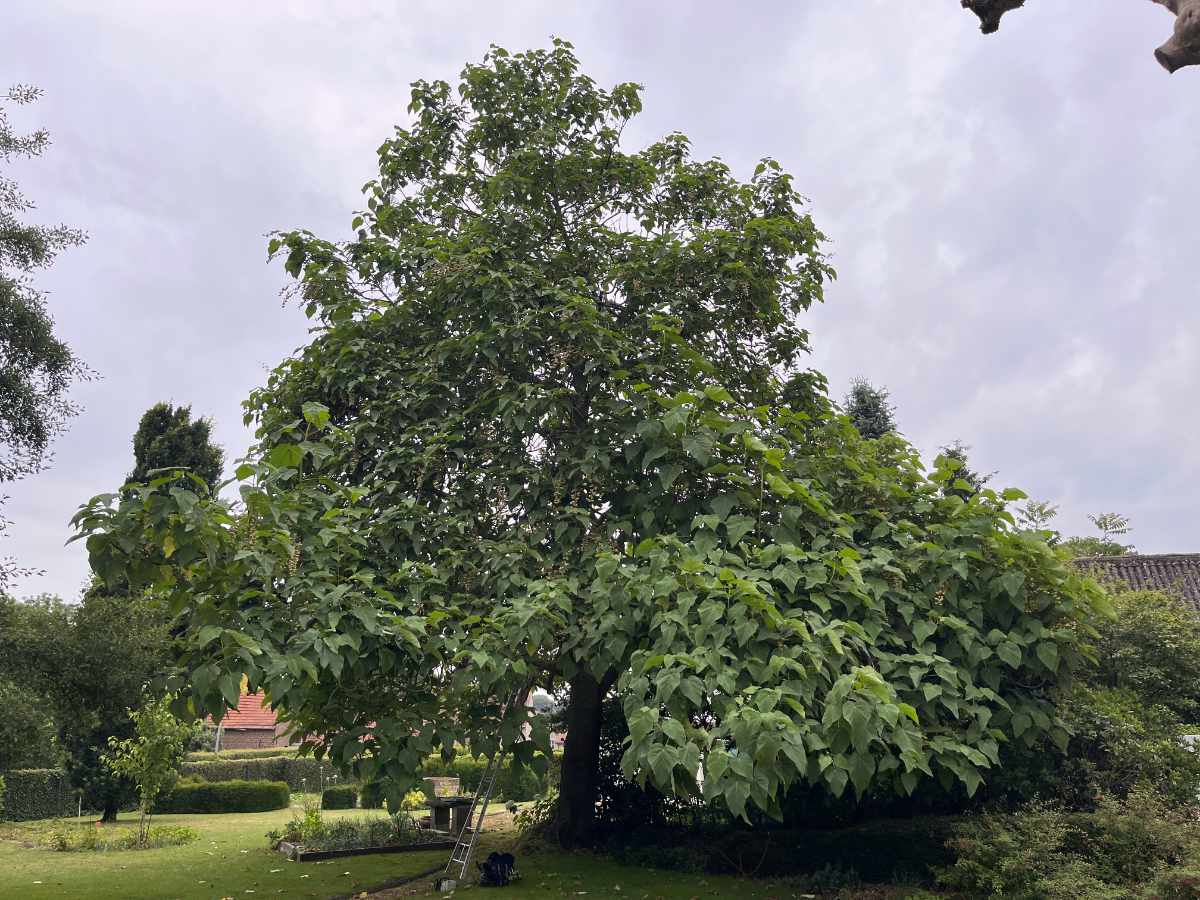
{"x":1010,"y":216}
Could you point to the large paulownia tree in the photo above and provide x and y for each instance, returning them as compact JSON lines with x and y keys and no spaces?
{"x":554,"y":427}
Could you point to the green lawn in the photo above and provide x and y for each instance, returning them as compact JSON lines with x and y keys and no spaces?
{"x":230,"y":859}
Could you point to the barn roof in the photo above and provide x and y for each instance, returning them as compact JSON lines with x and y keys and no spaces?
{"x":1175,"y":573}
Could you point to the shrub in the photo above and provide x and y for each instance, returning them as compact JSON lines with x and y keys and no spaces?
{"x":339,"y":798}
{"x":1,"y":796}
{"x":195,"y":796}
{"x":370,"y":795}
{"x":38,"y":794}
{"x":512,"y":783}
{"x":1177,"y":884}
{"x":302,"y":773}
{"x":312,"y":833}
{"x":1046,"y":853}
{"x":414,"y":800}
{"x":66,"y":838}
{"x":226,"y":755}
{"x":885,"y":850}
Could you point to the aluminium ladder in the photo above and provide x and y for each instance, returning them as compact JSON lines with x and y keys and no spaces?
{"x":464,"y":847}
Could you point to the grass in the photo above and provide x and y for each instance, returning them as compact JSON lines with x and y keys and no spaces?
{"x":231,"y":859}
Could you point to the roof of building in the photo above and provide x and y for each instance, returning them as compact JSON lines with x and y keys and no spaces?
{"x":1176,"y":573}
{"x":250,"y":713}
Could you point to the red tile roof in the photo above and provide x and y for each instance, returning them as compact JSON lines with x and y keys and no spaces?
{"x":250,"y":713}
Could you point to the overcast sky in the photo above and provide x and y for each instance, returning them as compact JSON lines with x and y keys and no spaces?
{"x":1012,"y":217}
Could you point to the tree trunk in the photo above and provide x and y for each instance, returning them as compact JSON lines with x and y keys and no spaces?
{"x":111,"y":808}
{"x":581,"y":756}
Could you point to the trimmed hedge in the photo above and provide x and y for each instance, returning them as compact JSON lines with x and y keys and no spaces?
{"x":257,"y":753}
{"x":307,"y":773}
{"x":195,"y":796}
{"x":38,"y":794}
{"x":511,"y":784}
{"x":339,"y":798}
{"x":301,"y":773}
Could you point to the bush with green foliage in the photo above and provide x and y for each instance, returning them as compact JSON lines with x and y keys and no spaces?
{"x":1127,"y":713}
{"x":512,"y":782}
{"x":883,"y":850}
{"x":342,"y":797}
{"x":1043,"y":852}
{"x":27,"y":739}
{"x":195,"y":796}
{"x":38,"y":794}
{"x":115,"y":645}
{"x":1182,"y":883}
{"x":312,"y":832}
{"x":65,"y":837}
{"x":1151,"y":648}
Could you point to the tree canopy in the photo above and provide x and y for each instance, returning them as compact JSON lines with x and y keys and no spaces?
{"x":36,"y":367}
{"x":167,"y":437}
{"x":555,"y":427}
{"x":869,"y":409}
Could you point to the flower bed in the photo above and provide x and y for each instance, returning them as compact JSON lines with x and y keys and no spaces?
{"x":65,"y":837}
{"x":309,"y":837}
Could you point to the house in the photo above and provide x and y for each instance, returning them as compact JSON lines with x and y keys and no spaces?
{"x":1173,"y":573}
{"x":251,"y":726}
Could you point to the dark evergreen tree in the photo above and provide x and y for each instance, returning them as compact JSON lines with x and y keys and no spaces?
{"x":967,"y":482}
{"x":167,"y":437}
{"x":869,"y":410}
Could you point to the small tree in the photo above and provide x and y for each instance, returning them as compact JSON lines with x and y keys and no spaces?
{"x":1036,"y":515}
{"x":1111,"y":526}
{"x":150,"y":760}
{"x":869,"y":410}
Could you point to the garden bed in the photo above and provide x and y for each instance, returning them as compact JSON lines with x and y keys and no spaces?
{"x":297,"y":853}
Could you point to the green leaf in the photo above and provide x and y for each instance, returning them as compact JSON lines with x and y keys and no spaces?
{"x":315,"y":414}
{"x":231,"y":688}
{"x":1047,"y":652}
{"x":737,"y":527}
{"x":285,"y":456}
{"x":862,"y":768}
{"x":667,"y":475}
{"x":722,"y":504}
{"x":1010,"y":653}
{"x":1020,"y":724}
{"x":673,"y":729}
{"x":662,"y":764}
{"x":836,"y":777}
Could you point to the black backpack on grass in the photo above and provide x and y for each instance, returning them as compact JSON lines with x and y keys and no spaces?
{"x":497,"y":870}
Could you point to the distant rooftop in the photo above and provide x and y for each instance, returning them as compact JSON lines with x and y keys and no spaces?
{"x":1175,"y":573}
